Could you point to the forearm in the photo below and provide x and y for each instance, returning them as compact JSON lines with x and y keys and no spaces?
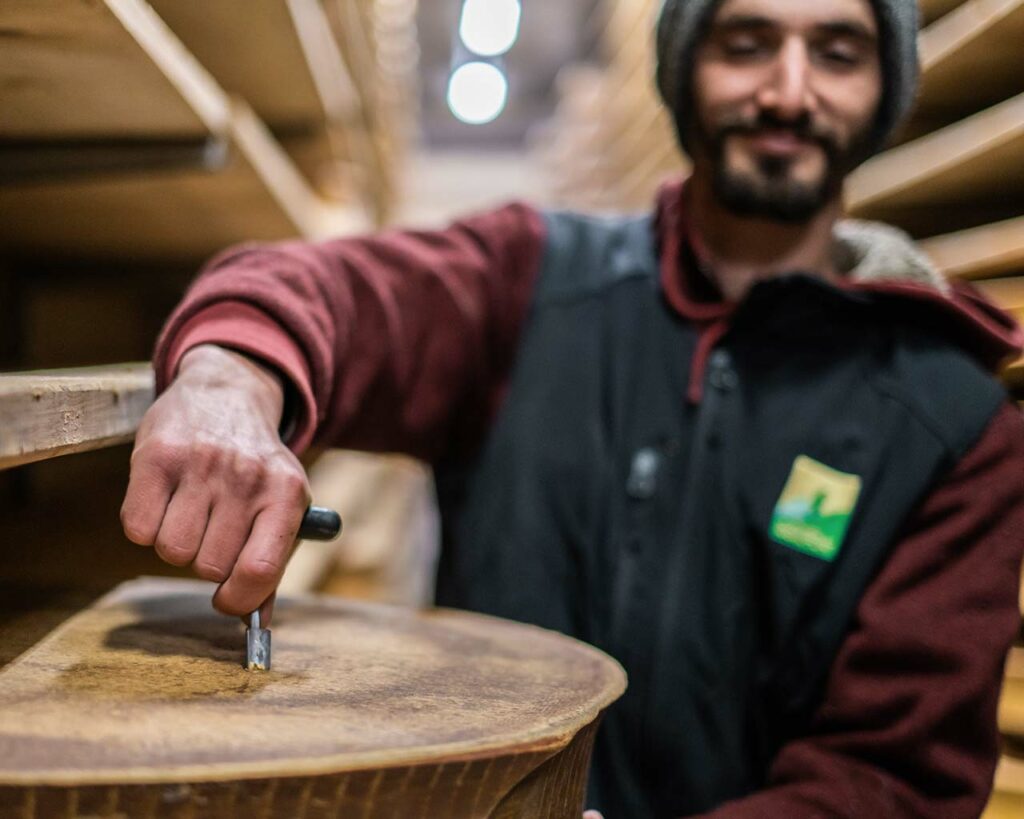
{"x":381,"y":340}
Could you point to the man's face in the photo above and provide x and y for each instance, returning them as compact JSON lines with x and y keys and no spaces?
{"x":786,"y":93}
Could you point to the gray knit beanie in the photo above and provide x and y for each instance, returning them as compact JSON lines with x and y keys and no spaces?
{"x":682,"y":23}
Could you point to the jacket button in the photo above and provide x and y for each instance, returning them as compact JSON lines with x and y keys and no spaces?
{"x":643,"y":474}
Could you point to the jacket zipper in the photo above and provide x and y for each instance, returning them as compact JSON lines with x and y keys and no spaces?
{"x":720,"y":379}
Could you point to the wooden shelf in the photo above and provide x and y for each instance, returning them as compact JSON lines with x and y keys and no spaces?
{"x":967,"y":172}
{"x":108,"y":89}
{"x":49,"y":413}
{"x":981,"y":252}
{"x":982,"y":40}
{"x":180,"y":216}
{"x":99,"y":70}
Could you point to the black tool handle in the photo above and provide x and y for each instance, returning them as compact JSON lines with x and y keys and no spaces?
{"x":320,"y":523}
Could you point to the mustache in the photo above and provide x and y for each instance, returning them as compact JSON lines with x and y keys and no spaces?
{"x":803,"y":128}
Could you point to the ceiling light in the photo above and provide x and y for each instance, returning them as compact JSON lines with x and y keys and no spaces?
{"x":477,"y":92}
{"x":490,"y":27}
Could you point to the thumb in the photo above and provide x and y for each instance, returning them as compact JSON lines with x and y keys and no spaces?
{"x":592,"y":814}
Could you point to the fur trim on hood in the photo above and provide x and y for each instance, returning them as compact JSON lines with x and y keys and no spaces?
{"x":876,"y":252}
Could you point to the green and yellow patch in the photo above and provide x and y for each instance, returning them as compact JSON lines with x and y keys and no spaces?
{"x":814,"y":510}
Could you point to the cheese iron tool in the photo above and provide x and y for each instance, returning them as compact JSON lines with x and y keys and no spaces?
{"x":318,"y":523}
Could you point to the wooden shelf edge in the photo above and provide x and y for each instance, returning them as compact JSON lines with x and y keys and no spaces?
{"x":884,"y":178}
{"x":981,"y":252}
{"x":49,"y":413}
{"x":943,"y":38}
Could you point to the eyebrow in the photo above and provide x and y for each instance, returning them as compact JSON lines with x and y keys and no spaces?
{"x":836,"y":28}
{"x":848,"y":28}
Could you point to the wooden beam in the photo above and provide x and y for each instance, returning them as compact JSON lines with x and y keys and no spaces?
{"x":980,"y":157}
{"x":258,"y":51}
{"x":981,"y":40}
{"x":111,"y":68}
{"x":49,"y":413}
{"x":981,"y":252}
{"x":281,"y":57}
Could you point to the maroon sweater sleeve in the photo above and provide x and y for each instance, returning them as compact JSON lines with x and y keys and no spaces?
{"x":401,"y":341}
{"x":908,"y":724}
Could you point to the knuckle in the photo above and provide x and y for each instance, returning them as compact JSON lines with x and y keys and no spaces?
{"x":293,"y":486}
{"x":162,"y":453}
{"x":248,"y":474}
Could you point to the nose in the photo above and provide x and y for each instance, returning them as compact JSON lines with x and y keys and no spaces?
{"x":787,"y":90}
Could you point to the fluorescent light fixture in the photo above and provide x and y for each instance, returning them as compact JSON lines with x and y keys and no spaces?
{"x":490,"y":27}
{"x":477,"y":92}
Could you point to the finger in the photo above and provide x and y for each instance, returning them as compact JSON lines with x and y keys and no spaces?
{"x":591,"y":814}
{"x":183,"y":525}
{"x":267,"y":610}
{"x":145,"y":501}
{"x":259,"y":567}
{"x":226,"y":533}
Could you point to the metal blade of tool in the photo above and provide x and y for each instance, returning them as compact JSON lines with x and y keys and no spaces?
{"x":319,"y":523}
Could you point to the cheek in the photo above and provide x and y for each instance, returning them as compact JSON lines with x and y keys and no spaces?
{"x":720,"y":92}
{"x":856,"y":105}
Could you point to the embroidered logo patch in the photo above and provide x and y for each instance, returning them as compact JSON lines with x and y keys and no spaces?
{"x":815,"y":508}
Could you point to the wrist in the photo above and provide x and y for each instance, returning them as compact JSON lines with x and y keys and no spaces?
{"x":212,"y":367}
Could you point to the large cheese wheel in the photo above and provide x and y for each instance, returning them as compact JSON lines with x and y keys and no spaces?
{"x":140,"y":706}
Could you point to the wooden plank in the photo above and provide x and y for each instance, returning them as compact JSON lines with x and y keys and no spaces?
{"x":980,"y":158}
{"x":980,"y":40}
{"x":49,"y":413}
{"x":981,"y":252}
{"x":388,"y":711}
{"x":74,"y":70}
{"x":174,"y":216}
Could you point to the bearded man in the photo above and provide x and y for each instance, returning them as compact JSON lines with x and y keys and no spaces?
{"x":751,"y":449}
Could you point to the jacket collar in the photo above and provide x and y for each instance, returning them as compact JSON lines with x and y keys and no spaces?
{"x":877,"y":260}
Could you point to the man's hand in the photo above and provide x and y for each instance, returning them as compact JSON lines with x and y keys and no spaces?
{"x":211,"y":484}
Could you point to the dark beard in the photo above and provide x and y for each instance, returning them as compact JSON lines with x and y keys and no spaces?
{"x":769,"y":192}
